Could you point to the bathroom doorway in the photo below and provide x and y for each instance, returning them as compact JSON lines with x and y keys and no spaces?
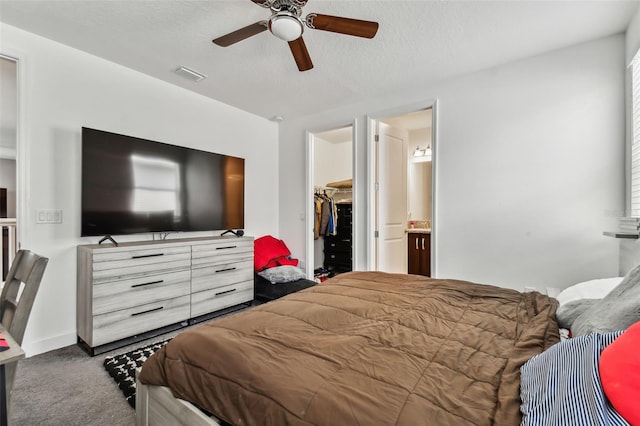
{"x":402,"y":194}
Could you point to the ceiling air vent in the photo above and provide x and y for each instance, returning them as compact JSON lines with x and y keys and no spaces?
{"x":190,"y":74}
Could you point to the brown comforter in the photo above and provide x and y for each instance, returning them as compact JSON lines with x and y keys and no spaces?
{"x":364,"y":348}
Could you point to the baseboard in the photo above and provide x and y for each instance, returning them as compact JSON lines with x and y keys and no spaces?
{"x":49,"y":344}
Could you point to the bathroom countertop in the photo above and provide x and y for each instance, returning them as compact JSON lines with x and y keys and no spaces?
{"x":418,"y":230}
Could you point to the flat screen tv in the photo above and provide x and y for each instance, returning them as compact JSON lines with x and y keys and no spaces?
{"x":132,"y":185}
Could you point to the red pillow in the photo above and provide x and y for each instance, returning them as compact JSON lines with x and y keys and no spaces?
{"x":266,"y":249}
{"x":620,"y":374}
{"x":281,"y":261}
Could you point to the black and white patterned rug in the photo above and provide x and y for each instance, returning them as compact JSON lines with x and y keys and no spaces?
{"x":123,"y":368}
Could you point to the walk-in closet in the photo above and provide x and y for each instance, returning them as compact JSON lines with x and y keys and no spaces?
{"x":333,"y":203}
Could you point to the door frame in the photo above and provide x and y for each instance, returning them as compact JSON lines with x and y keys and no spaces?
{"x":372,"y":131}
{"x":20,"y":58}
{"x":309,"y":208}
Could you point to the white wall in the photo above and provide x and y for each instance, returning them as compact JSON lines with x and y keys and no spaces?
{"x":419,"y":190}
{"x":632,"y":40}
{"x":419,"y":176}
{"x":529,"y":167}
{"x":332,"y":161}
{"x":65,"y":89}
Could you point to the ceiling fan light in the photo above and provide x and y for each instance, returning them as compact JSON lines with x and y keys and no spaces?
{"x":286,"y":26}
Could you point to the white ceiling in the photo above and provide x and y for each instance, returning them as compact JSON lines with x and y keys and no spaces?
{"x":413,"y":121}
{"x":417,"y":40}
{"x":341,"y":135}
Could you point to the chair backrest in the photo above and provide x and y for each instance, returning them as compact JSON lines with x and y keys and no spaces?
{"x":16,"y":301}
{"x":19,"y":292}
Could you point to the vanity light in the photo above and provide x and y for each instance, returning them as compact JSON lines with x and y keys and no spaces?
{"x":420,"y":155}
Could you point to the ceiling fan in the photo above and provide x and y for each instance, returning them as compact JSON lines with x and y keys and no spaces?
{"x":286,"y":23}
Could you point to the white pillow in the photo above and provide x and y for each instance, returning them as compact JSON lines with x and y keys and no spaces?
{"x":594,"y":289}
{"x":282,"y":274}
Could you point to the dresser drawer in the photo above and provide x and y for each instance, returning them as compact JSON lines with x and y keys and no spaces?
{"x":110,"y":266}
{"x":340,"y":260}
{"x":344,"y":229}
{"x":221,"y":275}
{"x":116,"y":295}
{"x":221,"y":252}
{"x":141,"y":255}
{"x":127,"y":292}
{"x":344,"y":209}
{"x":204,"y":302}
{"x":333,"y":244}
{"x":123,"y":323}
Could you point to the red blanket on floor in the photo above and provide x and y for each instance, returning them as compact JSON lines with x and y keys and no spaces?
{"x":270,"y":252}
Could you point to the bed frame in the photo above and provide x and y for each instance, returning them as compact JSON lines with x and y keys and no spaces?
{"x":156,"y":406}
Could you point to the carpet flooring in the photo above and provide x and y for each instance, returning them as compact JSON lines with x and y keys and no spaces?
{"x":66,"y":387}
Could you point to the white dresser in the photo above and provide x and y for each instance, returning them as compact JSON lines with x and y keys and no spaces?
{"x":137,"y":290}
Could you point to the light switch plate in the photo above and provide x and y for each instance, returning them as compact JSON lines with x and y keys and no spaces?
{"x":49,"y":216}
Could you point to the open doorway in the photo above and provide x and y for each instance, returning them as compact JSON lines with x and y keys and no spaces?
{"x":8,"y":163}
{"x":330,"y":248}
{"x":402,"y":194}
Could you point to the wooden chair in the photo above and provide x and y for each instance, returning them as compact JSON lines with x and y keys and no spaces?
{"x":16,"y":301}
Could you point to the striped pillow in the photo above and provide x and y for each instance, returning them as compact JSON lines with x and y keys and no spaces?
{"x":561,"y":386}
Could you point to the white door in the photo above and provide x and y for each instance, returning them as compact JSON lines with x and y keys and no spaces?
{"x":391,"y":200}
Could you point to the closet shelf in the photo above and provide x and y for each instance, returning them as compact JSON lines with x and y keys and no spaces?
{"x":622,"y":234}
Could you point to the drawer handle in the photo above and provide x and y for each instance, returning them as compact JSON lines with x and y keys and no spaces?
{"x":225,"y":270}
{"x":147,"y":255}
{"x":225,"y":247}
{"x":146,"y":312}
{"x":143,"y":284}
{"x":225,"y":292}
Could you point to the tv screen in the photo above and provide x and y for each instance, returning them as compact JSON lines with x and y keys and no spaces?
{"x":132,"y":185}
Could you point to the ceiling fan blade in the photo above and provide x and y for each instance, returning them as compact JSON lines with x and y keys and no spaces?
{"x":337,"y":24}
{"x":241,"y":34}
{"x":301,"y":54}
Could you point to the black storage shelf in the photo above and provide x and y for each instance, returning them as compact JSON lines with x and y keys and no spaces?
{"x":338,"y":248}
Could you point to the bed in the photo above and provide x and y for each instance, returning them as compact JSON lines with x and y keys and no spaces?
{"x":362,"y":348}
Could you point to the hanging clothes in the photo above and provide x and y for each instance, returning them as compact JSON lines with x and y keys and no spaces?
{"x":317,"y":201}
{"x":332,"y":228}
{"x":326,"y":215}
